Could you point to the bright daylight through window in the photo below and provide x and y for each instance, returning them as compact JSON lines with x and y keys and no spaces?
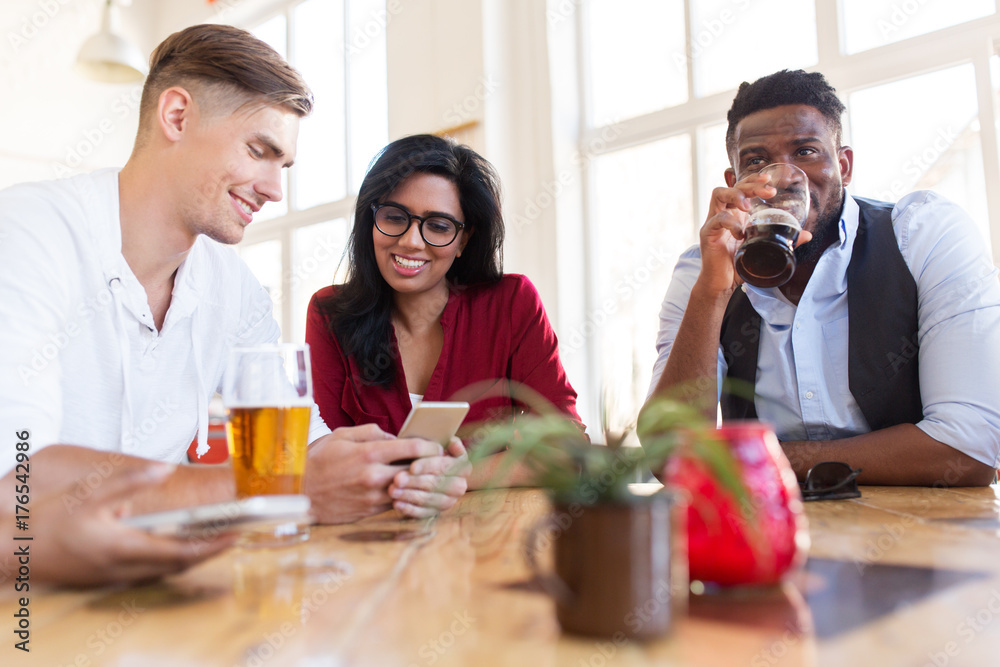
{"x":918,"y":78}
{"x":339,"y":47}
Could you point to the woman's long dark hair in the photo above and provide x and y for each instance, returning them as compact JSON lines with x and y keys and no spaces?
{"x":358,"y":314}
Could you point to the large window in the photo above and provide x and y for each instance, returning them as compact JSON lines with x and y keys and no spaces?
{"x":294,"y":247}
{"x":920,"y":81}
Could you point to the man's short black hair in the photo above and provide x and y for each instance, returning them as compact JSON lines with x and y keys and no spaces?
{"x":779,"y":89}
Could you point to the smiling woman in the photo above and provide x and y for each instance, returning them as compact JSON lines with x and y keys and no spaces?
{"x":426,"y":312}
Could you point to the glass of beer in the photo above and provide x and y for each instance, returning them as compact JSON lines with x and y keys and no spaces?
{"x":766,"y":258}
{"x":267,"y":392}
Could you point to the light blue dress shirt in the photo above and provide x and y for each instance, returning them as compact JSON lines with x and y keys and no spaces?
{"x":802,"y":384}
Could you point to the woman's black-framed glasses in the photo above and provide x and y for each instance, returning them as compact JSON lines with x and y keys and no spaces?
{"x":435,"y":230}
{"x":831,"y":480}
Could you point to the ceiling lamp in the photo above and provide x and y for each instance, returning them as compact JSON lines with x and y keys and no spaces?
{"x":109,"y":57}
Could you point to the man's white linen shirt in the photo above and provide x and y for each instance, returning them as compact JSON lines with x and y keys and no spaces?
{"x":81,"y":361}
{"x":802,"y":384}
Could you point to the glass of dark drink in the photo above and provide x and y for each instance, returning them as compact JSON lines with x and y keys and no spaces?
{"x":766,"y":258}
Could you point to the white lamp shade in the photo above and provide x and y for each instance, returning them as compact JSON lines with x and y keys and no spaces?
{"x":109,"y":57}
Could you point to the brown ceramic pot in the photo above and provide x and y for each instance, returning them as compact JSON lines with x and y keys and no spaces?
{"x":612,"y":566}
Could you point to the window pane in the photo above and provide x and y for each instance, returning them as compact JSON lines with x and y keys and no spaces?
{"x":936,"y":148}
{"x":995,"y":83}
{"x":264,"y":260}
{"x":642,"y":222}
{"x":636,"y":64}
{"x":712,"y":164}
{"x":316,"y":252}
{"x":369,"y":92}
{"x":871,"y":23}
{"x":273,"y":32}
{"x":736,"y":41}
{"x":319,"y":56}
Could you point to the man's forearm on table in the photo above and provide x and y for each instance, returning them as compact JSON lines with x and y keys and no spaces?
{"x":77,"y":471}
{"x":898,"y":455}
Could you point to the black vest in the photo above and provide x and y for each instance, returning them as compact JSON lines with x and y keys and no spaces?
{"x":882,"y":329}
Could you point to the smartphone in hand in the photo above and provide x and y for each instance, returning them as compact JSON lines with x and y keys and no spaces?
{"x":437,"y":421}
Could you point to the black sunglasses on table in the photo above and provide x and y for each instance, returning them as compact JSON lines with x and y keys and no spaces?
{"x":831,"y":480}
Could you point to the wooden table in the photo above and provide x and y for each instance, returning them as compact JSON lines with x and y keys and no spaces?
{"x":901,"y":576}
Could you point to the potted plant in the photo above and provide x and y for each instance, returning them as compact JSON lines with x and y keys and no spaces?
{"x":742,"y":524}
{"x":614,"y":574}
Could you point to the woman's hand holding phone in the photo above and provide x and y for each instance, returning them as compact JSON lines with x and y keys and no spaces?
{"x":432,"y":484}
{"x":429,"y":484}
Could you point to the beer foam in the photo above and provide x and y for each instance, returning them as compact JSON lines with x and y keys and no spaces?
{"x":774,"y":216}
{"x":297,"y":402}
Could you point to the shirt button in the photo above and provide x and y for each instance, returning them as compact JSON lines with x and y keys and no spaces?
{"x":797,"y":325}
{"x":809,"y":394}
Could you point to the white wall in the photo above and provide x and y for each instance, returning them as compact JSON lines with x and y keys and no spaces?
{"x":55,"y":121}
{"x":484,"y":62}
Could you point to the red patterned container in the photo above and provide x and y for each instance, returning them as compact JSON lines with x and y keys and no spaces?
{"x":753,"y":541}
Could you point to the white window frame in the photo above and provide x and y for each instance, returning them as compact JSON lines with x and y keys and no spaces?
{"x":282,"y":229}
{"x":974,"y":41}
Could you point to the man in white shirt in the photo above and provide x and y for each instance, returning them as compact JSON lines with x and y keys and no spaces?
{"x":883,"y":348}
{"x":119,"y":301}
